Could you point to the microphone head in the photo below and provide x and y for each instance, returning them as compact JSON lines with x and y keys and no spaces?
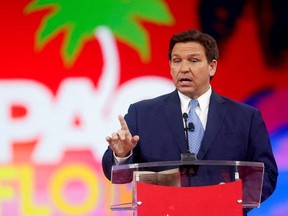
{"x":185,"y":116}
{"x":191,"y":126}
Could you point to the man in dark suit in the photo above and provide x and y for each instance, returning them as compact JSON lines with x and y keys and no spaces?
{"x":153,"y":130}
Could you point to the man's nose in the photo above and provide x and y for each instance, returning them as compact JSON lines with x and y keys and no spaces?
{"x":184,"y":67}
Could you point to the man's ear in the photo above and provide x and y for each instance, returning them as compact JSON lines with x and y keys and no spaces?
{"x":212,"y":67}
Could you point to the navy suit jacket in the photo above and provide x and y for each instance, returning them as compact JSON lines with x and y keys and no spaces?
{"x":234,"y":131}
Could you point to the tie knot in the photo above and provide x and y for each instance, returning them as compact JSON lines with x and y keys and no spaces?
{"x":193,"y":104}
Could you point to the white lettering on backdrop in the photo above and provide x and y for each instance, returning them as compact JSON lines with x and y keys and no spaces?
{"x":51,"y":119}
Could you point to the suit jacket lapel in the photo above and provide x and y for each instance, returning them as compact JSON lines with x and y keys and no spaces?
{"x":173,"y":113}
{"x":216,"y":115}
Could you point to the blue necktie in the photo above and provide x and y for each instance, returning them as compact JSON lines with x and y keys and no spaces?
{"x":195,"y":136}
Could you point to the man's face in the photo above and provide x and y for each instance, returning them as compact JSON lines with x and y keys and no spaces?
{"x":190,"y":69}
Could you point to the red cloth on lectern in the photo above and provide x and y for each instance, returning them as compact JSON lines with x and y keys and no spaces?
{"x":218,"y":200}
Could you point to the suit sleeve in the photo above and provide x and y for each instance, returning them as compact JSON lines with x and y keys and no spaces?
{"x":260,"y":150}
{"x":108,"y":162}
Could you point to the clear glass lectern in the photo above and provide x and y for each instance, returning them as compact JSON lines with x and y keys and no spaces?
{"x":180,"y":180}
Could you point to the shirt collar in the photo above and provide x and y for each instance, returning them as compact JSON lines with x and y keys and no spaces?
{"x":203,"y":100}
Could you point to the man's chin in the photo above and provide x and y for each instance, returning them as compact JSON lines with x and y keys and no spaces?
{"x":188,"y":91}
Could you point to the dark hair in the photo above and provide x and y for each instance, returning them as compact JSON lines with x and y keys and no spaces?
{"x":208,"y":42}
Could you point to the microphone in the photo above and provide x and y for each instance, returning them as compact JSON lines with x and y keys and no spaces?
{"x":188,"y":156}
{"x":185,"y":117}
{"x":191,"y":126}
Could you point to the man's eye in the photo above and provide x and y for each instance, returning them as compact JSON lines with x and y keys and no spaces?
{"x":176,"y":61}
{"x":193,"y":60}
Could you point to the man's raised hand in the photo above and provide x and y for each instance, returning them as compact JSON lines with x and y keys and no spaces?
{"x":122,"y":142}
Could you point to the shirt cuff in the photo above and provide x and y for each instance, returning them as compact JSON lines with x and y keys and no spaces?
{"x":121,"y":160}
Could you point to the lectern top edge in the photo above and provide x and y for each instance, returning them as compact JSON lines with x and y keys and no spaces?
{"x":197,"y":162}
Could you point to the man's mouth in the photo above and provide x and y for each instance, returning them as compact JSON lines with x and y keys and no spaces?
{"x":184,"y":81}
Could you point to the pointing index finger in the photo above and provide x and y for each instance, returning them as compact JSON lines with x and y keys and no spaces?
{"x":122,"y":123}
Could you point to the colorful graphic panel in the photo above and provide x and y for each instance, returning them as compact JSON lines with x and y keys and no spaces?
{"x":68,"y":68}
